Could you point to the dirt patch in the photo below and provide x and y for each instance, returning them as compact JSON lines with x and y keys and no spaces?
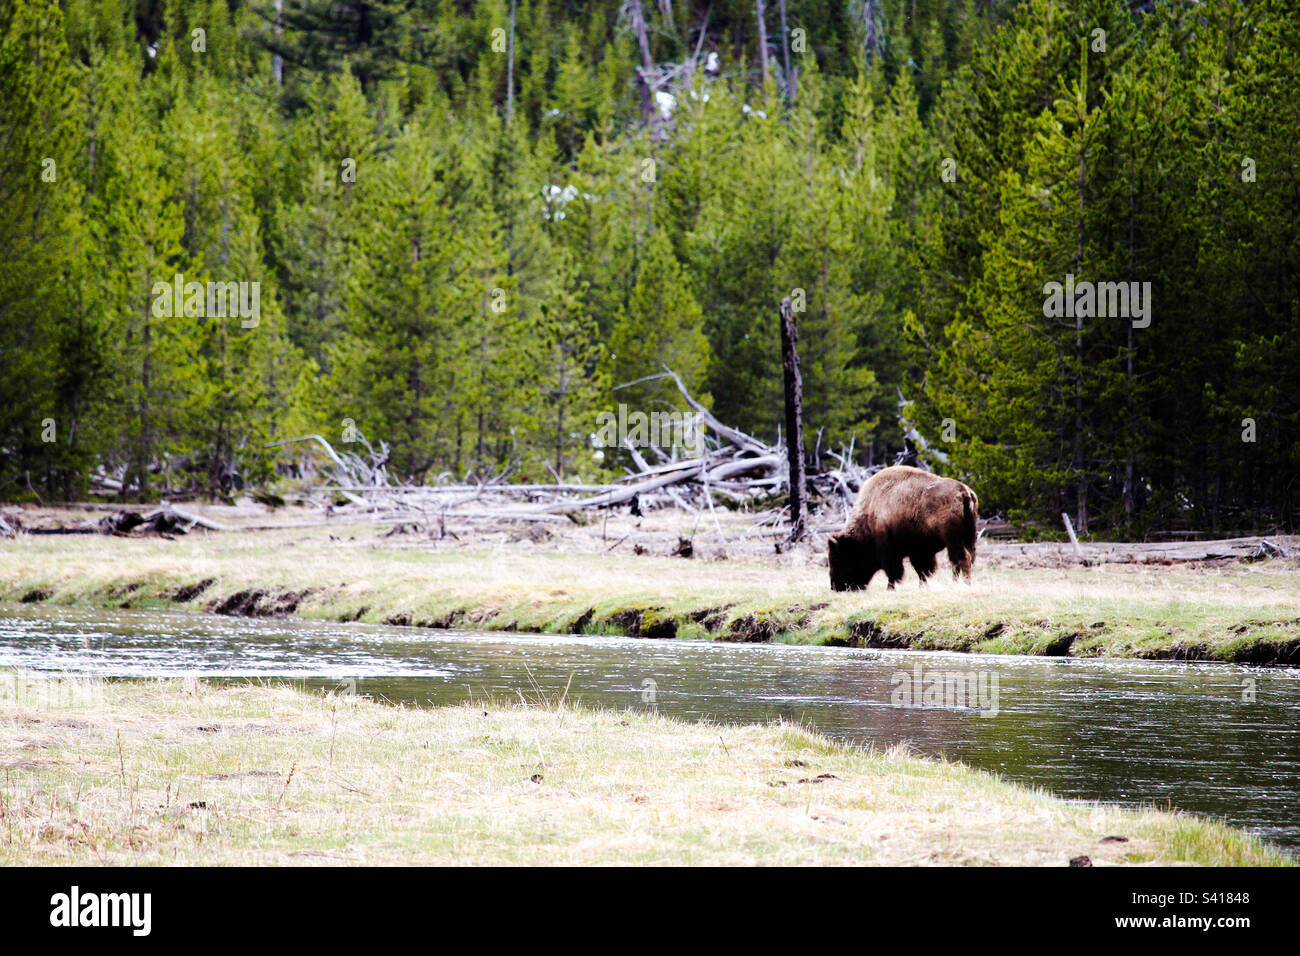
{"x":446,"y":622}
{"x":1270,"y":653}
{"x":820,"y":778}
{"x":579,"y":624}
{"x":347,"y":618}
{"x":239,"y":604}
{"x":871,"y":634}
{"x":254,"y":603}
{"x":26,"y":765}
{"x":480,"y":617}
{"x":1182,"y":651}
{"x":993,"y":631}
{"x":637,"y":622}
{"x":1095,"y":651}
{"x":751,"y":629}
{"x":290,"y":600}
{"x":711,"y":618}
{"x":33,"y":596}
{"x":1060,"y":647}
{"x":191,"y":591}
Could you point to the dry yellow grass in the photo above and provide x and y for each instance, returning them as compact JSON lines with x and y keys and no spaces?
{"x":180,"y":772}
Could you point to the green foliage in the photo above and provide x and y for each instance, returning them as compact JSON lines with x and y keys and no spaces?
{"x":466,"y":254}
{"x":660,"y":326}
{"x":48,"y":328}
{"x":1124,"y":163}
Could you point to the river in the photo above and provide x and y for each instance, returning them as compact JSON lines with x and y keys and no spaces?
{"x":1216,"y":739}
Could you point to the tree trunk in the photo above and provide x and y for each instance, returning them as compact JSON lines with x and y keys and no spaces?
{"x":793,"y":420}
{"x":510,"y":67}
{"x":792,"y":84}
{"x":1081,"y":492}
{"x":1130,"y":466}
{"x":870,"y":31}
{"x":277,"y":61}
{"x":647,"y":63}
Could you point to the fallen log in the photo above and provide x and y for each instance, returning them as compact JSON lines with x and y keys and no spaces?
{"x":620,"y":495}
{"x":742,"y":465}
{"x":189,"y":516}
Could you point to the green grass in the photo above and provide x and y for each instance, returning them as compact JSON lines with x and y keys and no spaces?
{"x":181,"y":772}
{"x":1246,"y":612}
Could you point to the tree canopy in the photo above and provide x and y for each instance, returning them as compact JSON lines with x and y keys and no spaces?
{"x":469,"y":224}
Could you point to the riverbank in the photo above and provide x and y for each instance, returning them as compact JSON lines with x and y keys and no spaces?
{"x":187,"y":773}
{"x":592,"y":580}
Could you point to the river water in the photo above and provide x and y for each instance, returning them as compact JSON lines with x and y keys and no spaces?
{"x":1219,"y":740}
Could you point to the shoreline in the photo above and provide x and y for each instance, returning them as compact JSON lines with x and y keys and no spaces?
{"x":592,"y":580}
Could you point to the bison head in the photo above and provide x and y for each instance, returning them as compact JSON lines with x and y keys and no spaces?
{"x":853,"y":562}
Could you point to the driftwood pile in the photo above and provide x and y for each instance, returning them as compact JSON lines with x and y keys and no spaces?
{"x":1088,"y":554}
{"x":735,"y":470}
{"x":167,"y":520}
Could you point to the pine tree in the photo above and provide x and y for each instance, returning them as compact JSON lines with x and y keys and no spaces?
{"x":393,"y":371}
{"x":333,"y":170}
{"x":231,"y":387}
{"x":661,"y":326}
{"x":572,"y":382}
{"x":139,"y":225}
{"x":49,"y":338}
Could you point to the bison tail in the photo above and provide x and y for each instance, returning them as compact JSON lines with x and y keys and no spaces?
{"x":970,"y":518}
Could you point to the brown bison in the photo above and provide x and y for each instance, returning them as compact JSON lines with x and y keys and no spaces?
{"x":899,"y":513}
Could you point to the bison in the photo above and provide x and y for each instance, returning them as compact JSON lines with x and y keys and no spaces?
{"x":903,"y":512}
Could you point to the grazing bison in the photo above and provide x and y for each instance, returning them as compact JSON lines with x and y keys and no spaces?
{"x":904,"y":512}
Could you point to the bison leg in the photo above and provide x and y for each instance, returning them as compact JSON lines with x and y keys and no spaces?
{"x":925,"y":564}
{"x":961,"y":560}
{"x":893,"y":565}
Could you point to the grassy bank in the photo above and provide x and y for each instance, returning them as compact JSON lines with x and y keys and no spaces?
{"x":180,"y":772}
{"x":1231,"y":612}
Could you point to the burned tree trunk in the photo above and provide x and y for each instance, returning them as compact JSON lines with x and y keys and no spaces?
{"x":791,"y":82}
{"x":761,"y":16}
{"x":645,"y":75}
{"x":510,"y":68}
{"x":793,"y":420}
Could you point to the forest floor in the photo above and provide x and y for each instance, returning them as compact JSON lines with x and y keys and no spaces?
{"x":616,"y":574}
{"x":181,"y":772}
